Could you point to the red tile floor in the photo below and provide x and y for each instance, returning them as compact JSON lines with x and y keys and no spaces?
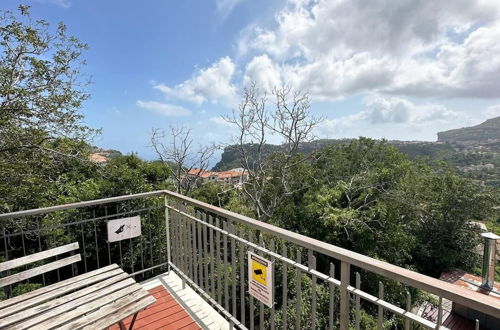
{"x":165,"y":313}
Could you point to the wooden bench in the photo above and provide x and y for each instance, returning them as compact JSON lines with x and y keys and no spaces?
{"x":94,"y":300}
{"x":15,"y":263}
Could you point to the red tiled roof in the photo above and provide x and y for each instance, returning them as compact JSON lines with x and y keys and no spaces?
{"x":164,"y":314}
{"x":469,"y":281}
{"x":200,"y":173}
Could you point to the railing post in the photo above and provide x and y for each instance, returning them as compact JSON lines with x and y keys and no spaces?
{"x":167,"y":229}
{"x":345,"y":269}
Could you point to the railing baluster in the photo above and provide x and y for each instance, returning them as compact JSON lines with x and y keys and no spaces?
{"x":331,"y":308}
{"x":226,"y":268}
{"x":83,"y":247}
{"x":97,"y":245}
{"x":261,"y":305}
{"x":477,"y":324}
{"x":9,"y":293}
{"x":233,"y":270}
{"x":167,"y":231}
{"x":195,"y":251}
{"x":212,"y":257}
{"x":358,"y":302}
{"x":40,"y":246}
{"x":380,"y":308}
{"x":285,"y":288}
{"x":132,"y":255}
{"x":312,"y":266}
{"x":179,"y":255}
{"x":440,"y":313}
{"x":298,"y":303}
{"x":183,"y":246}
{"x":242,"y":277}
{"x":189,"y":244}
{"x":218,"y":262}
{"x":345,"y":270}
{"x":107,"y":241}
{"x":251,"y":307}
{"x":120,"y":242}
{"x":408,"y":308}
{"x":273,"y":259}
{"x":205,"y":252}
{"x":200,"y":252}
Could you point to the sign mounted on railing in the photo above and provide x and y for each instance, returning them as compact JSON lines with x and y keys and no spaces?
{"x":124,"y":228}
{"x":260,"y":279}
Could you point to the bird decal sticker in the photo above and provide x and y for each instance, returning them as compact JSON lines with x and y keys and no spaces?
{"x":121,"y":229}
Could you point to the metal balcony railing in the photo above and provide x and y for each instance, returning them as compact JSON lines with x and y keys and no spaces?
{"x":207,"y":246}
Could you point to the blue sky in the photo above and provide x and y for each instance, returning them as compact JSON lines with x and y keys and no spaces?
{"x":402,"y":71}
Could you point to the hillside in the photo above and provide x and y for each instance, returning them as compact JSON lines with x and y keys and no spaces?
{"x":489,"y":131}
{"x":473,"y":151}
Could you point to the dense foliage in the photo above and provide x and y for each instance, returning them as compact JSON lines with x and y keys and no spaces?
{"x":363,"y":195}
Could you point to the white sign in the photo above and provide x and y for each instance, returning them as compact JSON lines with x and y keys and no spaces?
{"x":260,"y":279}
{"x":124,"y":228}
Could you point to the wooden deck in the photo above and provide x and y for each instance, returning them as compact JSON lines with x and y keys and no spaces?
{"x":165,"y":314}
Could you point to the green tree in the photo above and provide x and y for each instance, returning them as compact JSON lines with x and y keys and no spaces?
{"x":41,"y":92}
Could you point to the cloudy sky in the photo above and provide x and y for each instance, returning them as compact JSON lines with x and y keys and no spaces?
{"x":395,"y":69}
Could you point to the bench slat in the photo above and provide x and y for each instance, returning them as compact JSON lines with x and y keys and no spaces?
{"x":55,"y":286}
{"x":39,"y":270}
{"x":121,"y":314}
{"x":43,"y":313}
{"x":105,"y":311}
{"x":69,"y":301}
{"x":11,"y":264}
{"x":57,"y":293}
{"x":91,"y":306}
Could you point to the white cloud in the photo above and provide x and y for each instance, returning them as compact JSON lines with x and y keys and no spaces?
{"x":219,"y":121}
{"x":262,"y":71}
{"x":492,"y":111}
{"x":379,"y":109}
{"x":468,"y":69}
{"x":212,"y":84}
{"x":164,"y":109}
{"x":394,"y":118}
{"x":419,"y":48}
{"x":225,"y":7}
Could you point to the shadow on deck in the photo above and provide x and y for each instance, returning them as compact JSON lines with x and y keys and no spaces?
{"x":175,"y":308}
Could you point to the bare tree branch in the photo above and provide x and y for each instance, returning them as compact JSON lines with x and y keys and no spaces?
{"x":185,"y":161}
{"x":270,"y":173}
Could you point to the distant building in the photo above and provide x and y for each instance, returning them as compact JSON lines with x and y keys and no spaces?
{"x":235,"y":177}
{"x":98,"y":158}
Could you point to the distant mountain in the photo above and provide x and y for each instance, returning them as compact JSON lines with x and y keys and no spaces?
{"x":230,"y":158}
{"x":487,"y":132}
{"x":473,"y":151}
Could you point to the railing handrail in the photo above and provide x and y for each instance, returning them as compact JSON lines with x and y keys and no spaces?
{"x":472,"y":299}
{"x":77,"y":205}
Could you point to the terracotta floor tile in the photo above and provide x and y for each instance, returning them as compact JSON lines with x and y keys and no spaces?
{"x":165,"y":314}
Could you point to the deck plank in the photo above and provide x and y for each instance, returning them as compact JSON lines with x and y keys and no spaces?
{"x":166,"y":313}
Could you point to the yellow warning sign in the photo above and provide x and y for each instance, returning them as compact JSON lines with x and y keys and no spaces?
{"x":259,"y":271}
{"x":260,"y":276}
